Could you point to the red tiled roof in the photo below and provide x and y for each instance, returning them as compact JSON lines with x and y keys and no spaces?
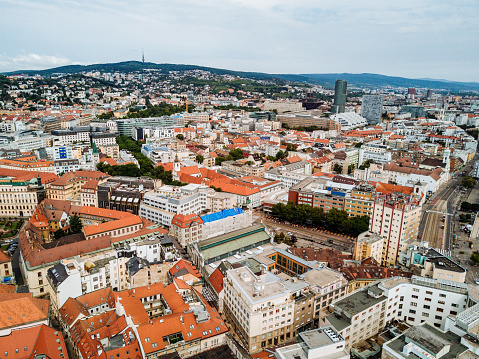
{"x":30,"y":342}
{"x":182,"y":264}
{"x":216,"y":280}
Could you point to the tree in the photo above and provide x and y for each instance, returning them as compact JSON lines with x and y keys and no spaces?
{"x":475,"y":258}
{"x":468,"y":182}
{"x":338,"y":168}
{"x":366,"y":164}
{"x":200,"y":159}
{"x":219,"y":160}
{"x":249,"y":163}
{"x":335,"y":220}
{"x":180,"y":137}
{"x":279,"y":238}
{"x":351,"y":169}
{"x":280,"y":155}
{"x":59,"y":233}
{"x":75,"y":224}
{"x":291,"y":147}
{"x":236,"y":154}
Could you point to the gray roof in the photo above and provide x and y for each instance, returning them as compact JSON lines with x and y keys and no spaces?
{"x":429,"y":339}
{"x":57,"y":274}
{"x":358,"y":302}
{"x":233,"y":241}
{"x":338,"y":322}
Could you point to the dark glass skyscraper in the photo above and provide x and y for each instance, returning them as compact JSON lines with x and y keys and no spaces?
{"x":340,"y":95}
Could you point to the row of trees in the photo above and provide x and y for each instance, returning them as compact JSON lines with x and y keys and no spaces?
{"x":162,"y":109}
{"x":334,"y":220}
{"x":468,"y":182}
{"x":233,"y":155}
{"x":469,"y":207}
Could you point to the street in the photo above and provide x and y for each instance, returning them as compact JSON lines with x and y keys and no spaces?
{"x":441,"y":204}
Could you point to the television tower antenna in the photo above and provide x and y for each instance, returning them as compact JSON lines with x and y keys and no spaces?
{"x":142,"y":55}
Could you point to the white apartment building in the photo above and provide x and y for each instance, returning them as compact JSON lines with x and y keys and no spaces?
{"x":395,"y":217}
{"x":288,"y":178}
{"x":103,"y":139}
{"x":160,"y":206}
{"x":321,"y":343}
{"x":65,"y":166}
{"x":415,"y":300}
{"x":67,"y":137}
{"x":140,"y":133}
{"x":269,"y":308}
{"x":376,"y":152}
{"x":217,"y":201}
{"x":78,"y":276}
{"x":262,"y":307}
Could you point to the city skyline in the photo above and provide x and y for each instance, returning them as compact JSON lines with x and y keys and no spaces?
{"x":408,"y":39}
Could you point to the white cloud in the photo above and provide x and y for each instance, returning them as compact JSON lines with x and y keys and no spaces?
{"x":32,"y":61}
{"x":427,"y":38}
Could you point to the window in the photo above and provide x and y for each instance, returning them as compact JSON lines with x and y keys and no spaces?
{"x":438,"y":317}
{"x":147,"y":339}
{"x":442,"y":295}
{"x":154,"y":345}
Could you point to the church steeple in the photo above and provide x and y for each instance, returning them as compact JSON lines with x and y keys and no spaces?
{"x":176,"y":168}
{"x":95,"y":156}
{"x":95,"y":149}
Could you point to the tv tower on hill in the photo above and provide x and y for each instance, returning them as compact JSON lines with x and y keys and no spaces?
{"x":142,"y":55}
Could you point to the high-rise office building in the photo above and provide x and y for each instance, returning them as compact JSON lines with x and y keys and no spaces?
{"x":429,"y":93}
{"x":372,"y":108}
{"x":340,"y":95}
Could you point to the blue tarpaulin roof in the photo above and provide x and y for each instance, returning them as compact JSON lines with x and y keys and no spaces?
{"x":222,"y":214}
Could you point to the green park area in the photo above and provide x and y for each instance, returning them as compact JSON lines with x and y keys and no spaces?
{"x":9,"y":228}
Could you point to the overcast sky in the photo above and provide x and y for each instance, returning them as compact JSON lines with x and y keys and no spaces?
{"x":411,"y":38}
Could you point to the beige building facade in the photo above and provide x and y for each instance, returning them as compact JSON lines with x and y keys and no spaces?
{"x":396,"y":218}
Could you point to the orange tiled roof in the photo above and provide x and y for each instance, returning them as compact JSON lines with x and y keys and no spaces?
{"x":216,"y":280}
{"x":182,"y":264}
{"x":111,"y":226}
{"x":30,"y":342}
{"x":19,"y":311}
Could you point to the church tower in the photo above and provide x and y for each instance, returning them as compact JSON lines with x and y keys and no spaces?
{"x":176,"y":169}
{"x":95,"y":156}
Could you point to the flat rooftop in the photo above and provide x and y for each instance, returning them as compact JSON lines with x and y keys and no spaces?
{"x":358,"y":302}
{"x":429,"y":339}
{"x":320,"y":337}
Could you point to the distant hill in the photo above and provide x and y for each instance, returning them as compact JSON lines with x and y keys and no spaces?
{"x":365,"y":80}
{"x":374,"y":80}
{"x":131,"y":66}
